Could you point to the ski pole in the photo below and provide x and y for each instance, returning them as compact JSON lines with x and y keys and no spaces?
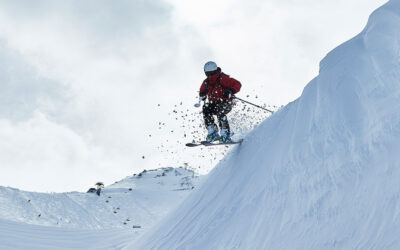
{"x":253,"y":104}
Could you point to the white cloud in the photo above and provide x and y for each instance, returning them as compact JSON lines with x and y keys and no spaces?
{"x":46,"y":156}
{"x":24,"y":91}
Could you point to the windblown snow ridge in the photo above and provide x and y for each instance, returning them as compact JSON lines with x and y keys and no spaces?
{"x":321,"y":173}
{"x":138,"y":200}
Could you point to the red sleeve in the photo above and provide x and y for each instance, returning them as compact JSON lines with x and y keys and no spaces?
{"x":203,"y":89}
{"x":231,"y":83}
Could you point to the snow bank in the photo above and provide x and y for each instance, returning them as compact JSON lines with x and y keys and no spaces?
{"x":140,"y":200}
{"x":122,"y":212}
{"x":14,"y":235}
{"x":321,"y":173}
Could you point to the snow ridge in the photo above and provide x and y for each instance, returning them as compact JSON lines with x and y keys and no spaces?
{"x":320,"y":173}
{"x":135,"y":203}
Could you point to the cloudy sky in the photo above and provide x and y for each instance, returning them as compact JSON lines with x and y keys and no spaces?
{"x":83,"y":84}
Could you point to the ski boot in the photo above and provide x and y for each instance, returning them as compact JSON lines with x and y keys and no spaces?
{"x":225,"y":136}
{"x":212,"y":134}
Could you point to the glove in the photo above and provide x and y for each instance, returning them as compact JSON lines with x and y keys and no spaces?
{"x":228,"y":93}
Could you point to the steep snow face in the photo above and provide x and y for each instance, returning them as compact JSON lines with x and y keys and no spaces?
{"x":321,"y":173}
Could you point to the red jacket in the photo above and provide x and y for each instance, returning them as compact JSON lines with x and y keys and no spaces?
{"x":215,"y":91}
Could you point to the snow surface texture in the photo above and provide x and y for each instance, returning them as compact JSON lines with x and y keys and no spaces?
{"x":15,"y":235}
{"x":73,"y":220}
{"x":321,"y":173}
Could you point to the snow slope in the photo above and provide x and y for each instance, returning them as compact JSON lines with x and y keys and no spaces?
{"x":14,"y":235}
{"x":128,"y":207}
{"x":321,"y":173}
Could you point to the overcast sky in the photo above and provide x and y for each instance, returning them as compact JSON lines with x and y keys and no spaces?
{"x":84,"y":83}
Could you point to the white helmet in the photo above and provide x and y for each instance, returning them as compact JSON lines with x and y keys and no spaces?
{"x":210,"y":66}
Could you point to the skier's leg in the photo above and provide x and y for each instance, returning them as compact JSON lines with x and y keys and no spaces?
{"x":208,"y":112}
{"x":224,"y":125}
{"x":223,"y":109}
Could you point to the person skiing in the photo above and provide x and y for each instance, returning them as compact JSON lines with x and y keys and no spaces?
{"x":219,"y":88}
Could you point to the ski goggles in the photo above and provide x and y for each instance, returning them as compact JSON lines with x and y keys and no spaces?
{"x":211,"y":73}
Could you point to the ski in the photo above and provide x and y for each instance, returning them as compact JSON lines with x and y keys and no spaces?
{"x":216,"y":143}
{"x":207,"y":144}
{"x":193,"y":144}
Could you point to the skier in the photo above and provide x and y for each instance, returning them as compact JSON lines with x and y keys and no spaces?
{"x":219,"y":88}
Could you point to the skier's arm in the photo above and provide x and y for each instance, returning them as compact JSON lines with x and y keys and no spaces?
{"x":232,"y":84}
{"x":203,"y":90}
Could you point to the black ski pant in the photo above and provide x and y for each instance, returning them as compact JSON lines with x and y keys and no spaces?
{"x":220,"y":109}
